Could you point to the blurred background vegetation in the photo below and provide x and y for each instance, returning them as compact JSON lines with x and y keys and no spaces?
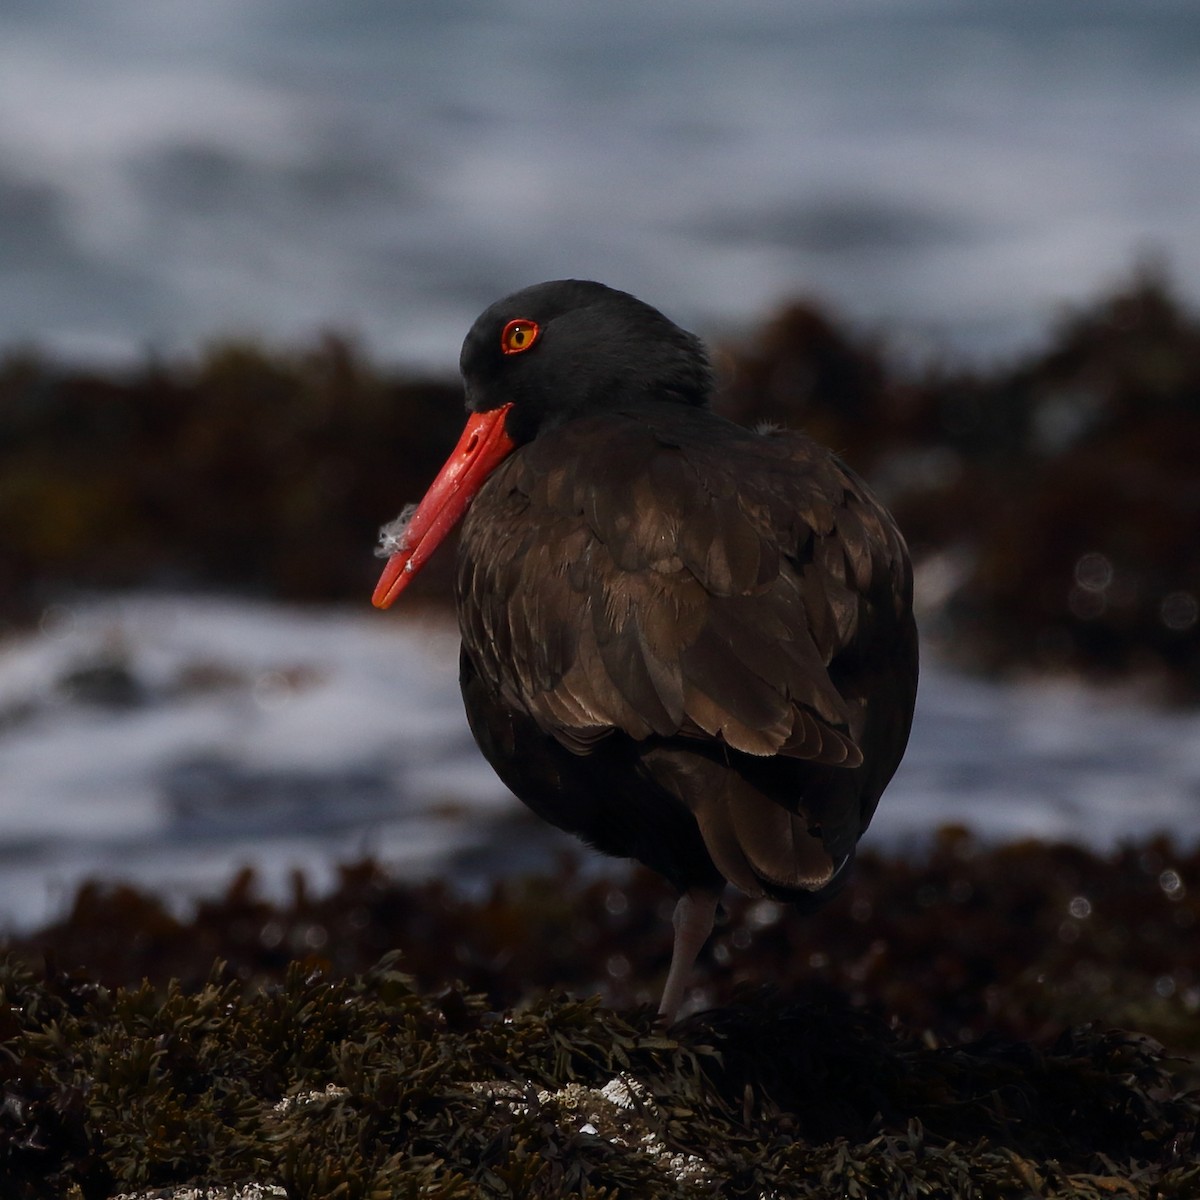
{"x":1052,"y":504}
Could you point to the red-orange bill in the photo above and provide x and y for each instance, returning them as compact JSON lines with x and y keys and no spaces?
{"x":483,"y":445}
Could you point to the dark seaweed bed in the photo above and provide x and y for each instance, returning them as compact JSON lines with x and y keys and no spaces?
{"x":1008,"y":1022}
{"x":1061,"y":489}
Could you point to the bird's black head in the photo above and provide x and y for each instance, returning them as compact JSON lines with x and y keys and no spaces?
{"x":562,"y":349}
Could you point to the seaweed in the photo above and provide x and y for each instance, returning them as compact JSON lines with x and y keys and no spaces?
{"x":364,"y":1086}
{"x":266,"y":472}
{"x":961,"y":939}
{"x":944,"y":1046}
{"x":1060,"y":487}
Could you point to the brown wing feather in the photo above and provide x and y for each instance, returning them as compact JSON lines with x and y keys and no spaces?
{"x":644,"y":576}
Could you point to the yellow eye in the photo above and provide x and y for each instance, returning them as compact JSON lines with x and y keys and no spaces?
{"x":518,"y":335}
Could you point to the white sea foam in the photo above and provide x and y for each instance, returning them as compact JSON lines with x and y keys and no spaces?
{"x":952,"y":171}
{"x":169,"y":740}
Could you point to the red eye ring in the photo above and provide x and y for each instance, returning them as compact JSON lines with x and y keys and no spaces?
{"x":518,"y":335}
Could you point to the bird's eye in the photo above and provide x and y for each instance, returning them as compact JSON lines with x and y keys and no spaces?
{"x":518,"y":335}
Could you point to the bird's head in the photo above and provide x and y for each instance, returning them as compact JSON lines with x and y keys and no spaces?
{"x":563,"y":349}
{"x":531,"y":362}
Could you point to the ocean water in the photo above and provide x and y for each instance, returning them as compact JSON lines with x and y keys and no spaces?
{"x":169,"y":741}
{"x":948,"y":172}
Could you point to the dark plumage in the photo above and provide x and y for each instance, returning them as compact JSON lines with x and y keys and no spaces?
{"x":688,"y":643}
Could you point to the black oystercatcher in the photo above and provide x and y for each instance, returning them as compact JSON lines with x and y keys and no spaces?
{"x":686,"y":642}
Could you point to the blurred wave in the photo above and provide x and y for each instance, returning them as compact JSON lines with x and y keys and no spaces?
{"x":174,"y":172}
{"x":170,"y":740}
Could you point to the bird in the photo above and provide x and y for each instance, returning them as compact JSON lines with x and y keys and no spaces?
{"x":686,"y":642}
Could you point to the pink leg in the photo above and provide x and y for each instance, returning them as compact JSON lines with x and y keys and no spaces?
{"x":693,"y":921}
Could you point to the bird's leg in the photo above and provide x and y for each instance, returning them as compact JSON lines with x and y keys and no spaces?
{"x":693,"y":921}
